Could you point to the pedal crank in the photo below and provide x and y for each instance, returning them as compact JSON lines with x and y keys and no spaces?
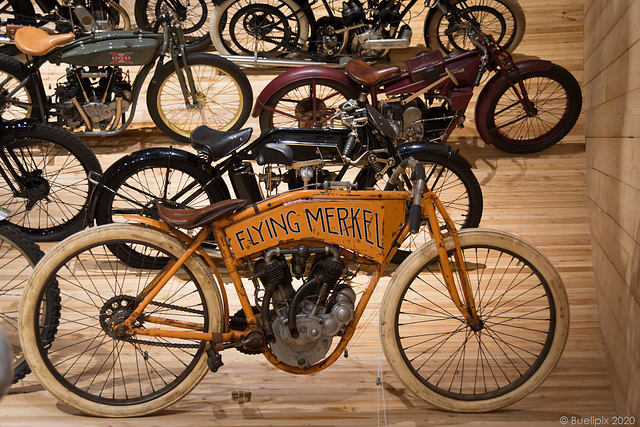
{"x":214,"y":359}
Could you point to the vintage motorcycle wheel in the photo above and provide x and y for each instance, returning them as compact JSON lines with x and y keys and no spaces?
{"x":269,"y":27}
{"x":524,"y":312}
{"x":49,"y":193}
{"x":306,"y":103}
{"x":88,"y":366}
{"x":222,"y":90}
{"x":23,"y":103}
{"x":19,"y":255}
{"x":139,"y":185}
{"x":504,"y":19}
{"x":557,"y":100}
{"x":194,"y":16}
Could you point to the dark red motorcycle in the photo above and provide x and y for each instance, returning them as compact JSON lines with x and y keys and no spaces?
{"x":525,"y":107}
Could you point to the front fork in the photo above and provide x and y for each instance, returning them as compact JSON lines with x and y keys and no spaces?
{"x":509,"y":69}
{"x":180,"y":62}
{"x":467,"y":308}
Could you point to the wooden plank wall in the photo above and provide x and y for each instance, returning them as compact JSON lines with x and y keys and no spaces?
{"x":612,"y":89}
{"x":541,"y":197}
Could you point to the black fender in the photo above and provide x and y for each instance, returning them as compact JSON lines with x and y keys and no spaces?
{"x":165,"y":153}
{"x":429,"y":151}
{"x":14,"y":125}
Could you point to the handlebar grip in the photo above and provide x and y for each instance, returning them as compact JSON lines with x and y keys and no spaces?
{"x":348,"y":146}
{"x":415,"y":218}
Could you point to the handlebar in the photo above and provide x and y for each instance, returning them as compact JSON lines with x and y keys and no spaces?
{"x":348,"y":146}
{"x":415,"y":212}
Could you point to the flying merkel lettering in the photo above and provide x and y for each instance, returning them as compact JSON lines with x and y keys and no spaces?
{"x":361,"y":224}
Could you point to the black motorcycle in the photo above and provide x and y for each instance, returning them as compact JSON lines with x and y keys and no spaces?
{"x":363,"y":152}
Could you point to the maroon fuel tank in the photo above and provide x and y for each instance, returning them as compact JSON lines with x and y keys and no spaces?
{"x":299,"y":74}
{"x":429,"y":67}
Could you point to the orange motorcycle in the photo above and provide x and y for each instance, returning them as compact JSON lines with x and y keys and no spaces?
{"x":132,"y":340}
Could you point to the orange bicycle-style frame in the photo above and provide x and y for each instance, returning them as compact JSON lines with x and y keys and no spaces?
{"x":367,"y":226}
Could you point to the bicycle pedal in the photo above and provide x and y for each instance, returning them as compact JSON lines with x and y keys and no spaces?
{"x":214,"y":360}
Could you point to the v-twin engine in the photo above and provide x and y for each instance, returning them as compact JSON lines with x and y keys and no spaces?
{"x":94,"y":97}
{"x":301,"y":324}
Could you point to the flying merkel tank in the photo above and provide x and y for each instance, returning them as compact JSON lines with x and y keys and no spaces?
{"x":122,"y":48}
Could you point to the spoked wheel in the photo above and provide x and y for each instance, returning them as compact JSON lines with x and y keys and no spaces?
{"x":18,"y":256}
{"x":193,"y":14}
{"x":503,"y":19}
{"x":46,"y":180}
{"x":222,"y":100}
{"x":556,"y":101}
{"x":90,"y":366}
{"x":524,"y":315}
{"x":269,"y":28}
{"x":307,"y":103}
{"x":139,"y":185}
{"x":260,"y":28}
{"x":16,"y":102}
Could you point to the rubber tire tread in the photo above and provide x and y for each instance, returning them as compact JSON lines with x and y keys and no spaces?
{"x":569,"y":82}
{"x":77,"y":242}
{"x":426,"y":254}
{"x":225,"y":65}
{"x":81,"y":151}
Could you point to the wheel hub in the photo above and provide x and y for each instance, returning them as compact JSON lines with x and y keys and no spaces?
{"x":478,"y":327}
{"x":201,"y":100}
{"x":115,"y":311}
{"x":259,"y":24}
{"x":304,"y":112}
{"x":35,"y":188}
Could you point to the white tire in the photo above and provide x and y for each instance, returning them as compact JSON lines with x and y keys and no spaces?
{"x":520,"y":300}
{"x":86,"y":366}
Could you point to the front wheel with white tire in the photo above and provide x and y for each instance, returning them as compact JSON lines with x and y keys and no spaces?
{"x":524,"y":322}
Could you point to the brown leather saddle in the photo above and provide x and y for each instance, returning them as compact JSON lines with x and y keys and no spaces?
{"x":36,"y":42}
{"x":365,"y":74}
{"x":194,"y":218}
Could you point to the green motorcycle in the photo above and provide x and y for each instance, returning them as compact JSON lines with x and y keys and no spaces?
{"x":96,"y":95}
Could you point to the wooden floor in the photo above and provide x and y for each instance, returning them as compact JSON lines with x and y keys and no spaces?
{"x":539,"y":197}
